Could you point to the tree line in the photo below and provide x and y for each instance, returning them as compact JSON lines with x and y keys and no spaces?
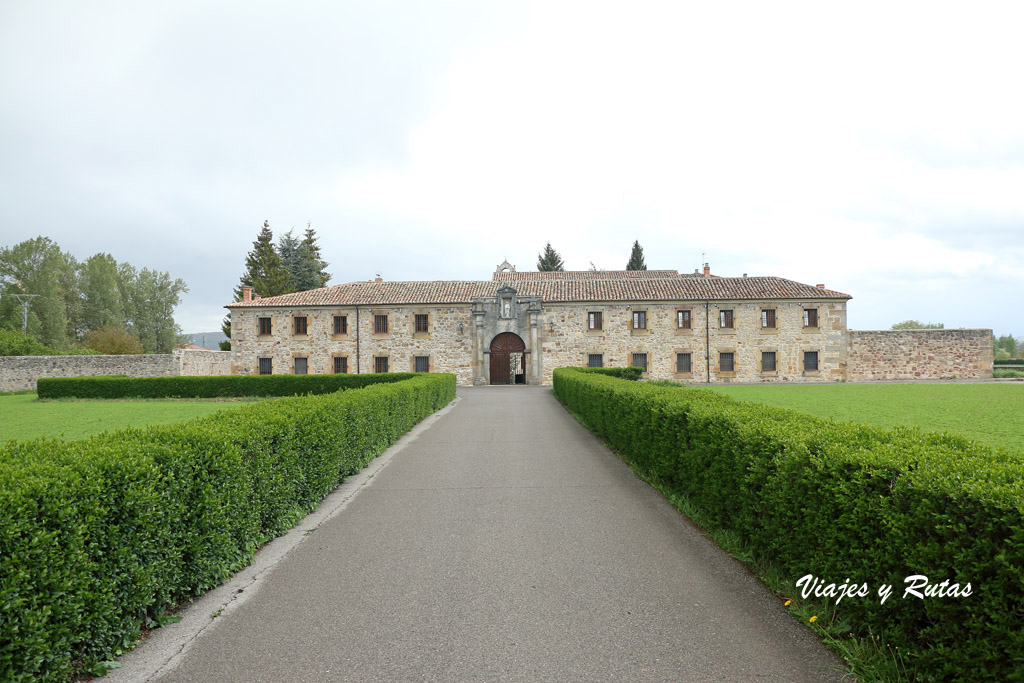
{"x":294,"y":265}
{"x":95,"y":302}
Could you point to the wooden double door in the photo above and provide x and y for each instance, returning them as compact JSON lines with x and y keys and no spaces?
{"x":508,"y":359}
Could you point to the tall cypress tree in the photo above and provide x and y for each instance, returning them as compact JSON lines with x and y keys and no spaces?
{"x":549,"y":260}
{"x":303,"y":261}
{"x":636,"y":258}
{"x":316,"y":260}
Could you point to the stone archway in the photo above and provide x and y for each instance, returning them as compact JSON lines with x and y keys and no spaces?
{"x":508,"y":359}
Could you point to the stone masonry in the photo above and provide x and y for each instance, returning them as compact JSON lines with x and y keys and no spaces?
{"x":19,"y":373}
{"x":919,"y":354}
{"x":689,"y":328}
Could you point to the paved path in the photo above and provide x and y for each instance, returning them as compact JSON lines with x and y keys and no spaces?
{"x":506,"y":543}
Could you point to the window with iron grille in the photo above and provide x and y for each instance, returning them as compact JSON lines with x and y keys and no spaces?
{"x":380,"y":364}
{"x":341,"y":365}
{"x":684,"y":320}
{"x":594,"y":320}
{"x":265,"y":326}
{"x":422,"y":322}
{"x":595,"y":360}
{"x":266,"y":366}
{"x":341,"y":324}
{"x":725,"y":318}
{"x":726,"y":362}
{"x":810,"y":317}
{"x":301,"y":366}
{"x":767,"y":361}
{"x":422,"y":364}
{"x":300,"y":324}
{"x":380,"y":324}
{"x":810,"y":361}
{"x":768,"y":318}
{"x":639,"y":320}
{"x":640,"y":360}
{"x":684,"y":363}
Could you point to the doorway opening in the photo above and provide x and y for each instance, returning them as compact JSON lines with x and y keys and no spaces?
{"x":508,"y":359}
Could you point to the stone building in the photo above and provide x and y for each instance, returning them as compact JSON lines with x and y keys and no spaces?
{"x":519,"y":326}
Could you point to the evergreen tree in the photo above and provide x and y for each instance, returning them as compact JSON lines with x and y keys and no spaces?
{"x":636,"y":258}
{"x":264,"y":271}
{"x":549,"y":260}
{"x":303,"y":261}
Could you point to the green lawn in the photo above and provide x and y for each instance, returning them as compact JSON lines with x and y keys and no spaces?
{"x":992,"y":414}
{"x":23,"y":416}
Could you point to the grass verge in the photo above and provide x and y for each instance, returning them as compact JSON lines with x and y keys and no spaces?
{"x":23,"y":416}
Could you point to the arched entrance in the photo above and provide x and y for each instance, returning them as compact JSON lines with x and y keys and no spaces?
{"x":508,"y":359}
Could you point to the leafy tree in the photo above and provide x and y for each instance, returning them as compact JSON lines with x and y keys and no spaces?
{"x":14,"y":343}
{"x":636,"y":258}
{"x":152,"y":298}
{"x":1005,"y":346}
{"x":915,"y":325}
{"x":38,"y":266}
{"x":101,"y":297}
{"x":113,"y":340}
{"x":549,"y":260}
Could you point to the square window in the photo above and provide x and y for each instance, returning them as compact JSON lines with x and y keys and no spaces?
{"x":595,"y":360}
{"x":810,"y":317}
{"x":640,"y":361}
{"x":265,"y":326}
{"x":301,"y":366}
{"x":684,"y":363}
{"x":380,"y":324}
{"x":266,"y":366}
{"x":726,"y":362}
{"x":301,"y":323}
{"x":684,"y":320}
{"x":767,"y":361}
{"x":341,"y":365}
{"x":341,"y":324}
{"x":380,"y":363}
{"x":594,"y":321}
{"x":725,"y":319}
{"x":422,"y":363}
{"x":639,"y":320}
{"x":810,"y":361}
{"x":768,"y":318}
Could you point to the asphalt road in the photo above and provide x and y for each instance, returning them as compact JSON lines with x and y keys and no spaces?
{"x":506,"y":543}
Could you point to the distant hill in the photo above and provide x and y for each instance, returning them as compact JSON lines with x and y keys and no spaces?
{"x":208,"y":340}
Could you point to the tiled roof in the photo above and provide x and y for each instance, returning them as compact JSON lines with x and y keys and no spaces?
{"x":507,"y":276}
{"x":553,"y":290}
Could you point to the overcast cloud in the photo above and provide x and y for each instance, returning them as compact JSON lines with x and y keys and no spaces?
{"x":877,"y":147}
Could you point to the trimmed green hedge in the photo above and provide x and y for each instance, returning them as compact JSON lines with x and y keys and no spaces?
{"x":842,"y":501}
{"x":1009,"y":361}
{"x":98,"y":538}
{"x":632,"y":373}
{"x":119,"y":386}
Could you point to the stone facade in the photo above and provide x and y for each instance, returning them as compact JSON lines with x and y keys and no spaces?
{"x":20,"y":373}
{"x":919,"y":354}
{"x":447,"y":341}
{"x":695,"y":328}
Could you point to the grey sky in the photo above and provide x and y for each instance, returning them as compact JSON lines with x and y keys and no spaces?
{"x":878,"y":148}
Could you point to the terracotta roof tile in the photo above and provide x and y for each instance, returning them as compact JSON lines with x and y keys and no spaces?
{"x":552,"y":290}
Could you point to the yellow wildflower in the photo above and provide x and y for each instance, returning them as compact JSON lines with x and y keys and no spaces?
{"x":814,"y":619}
{"x":787,"y":603}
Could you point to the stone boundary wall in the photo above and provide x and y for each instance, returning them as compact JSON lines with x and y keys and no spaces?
{"x":18,"y":373}
{"x":202,"y":362}
{"x":918,"y":354}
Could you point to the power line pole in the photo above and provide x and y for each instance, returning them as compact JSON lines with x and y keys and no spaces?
{"x":25,"y":300}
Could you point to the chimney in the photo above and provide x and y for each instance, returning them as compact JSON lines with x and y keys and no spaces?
{"x":246,"y":294}
{"x":707,"y":270}
{"x":820,"y":286}
{"x":378,"y":278}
